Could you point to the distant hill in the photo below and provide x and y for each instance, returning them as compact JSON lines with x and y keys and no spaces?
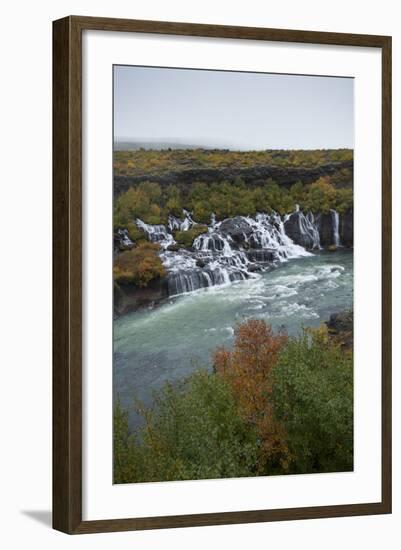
{"x":124,"y":145}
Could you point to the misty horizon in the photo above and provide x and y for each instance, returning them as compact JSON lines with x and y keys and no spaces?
{"x":232,"y":110}
{"x":194,"y":144}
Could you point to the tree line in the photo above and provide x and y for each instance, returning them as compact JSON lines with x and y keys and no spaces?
{"x":153,"y":204}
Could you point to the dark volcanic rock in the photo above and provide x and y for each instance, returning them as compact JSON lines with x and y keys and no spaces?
{"x":340,"y":322}
{"x":210,"y":241}
{"x":173,"y":247}
{"x":200,"y":262}
{"x":326,"y":225}
{"x":347,"y":228}
{"x":295,"y":228}
{"x":341,"y":329}
{"x":325,"y":229}
{"x":262,"y":256}
{"x":130,"y":297}
{"x":255,"y":268}
{"x":254,"y":175}
{"x":237,"y":228}
{"x":122,"y":241}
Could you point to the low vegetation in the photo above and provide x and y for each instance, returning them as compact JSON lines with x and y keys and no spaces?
{"x":185,"y":239}
{"x":193,"y":432}
{"x":273,"y":405}
{"x":138,"y":266}
{"x":145,"y":161}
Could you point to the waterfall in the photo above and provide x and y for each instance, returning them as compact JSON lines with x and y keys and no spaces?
{"x":234,"y":249}
{"x":123,"y":239}
{"x":336,"y":225}
{"x":308,"y":228}
{"x":181,"y":282}
{"x":302,"y":229}
{"x":269,"y":233}
{"x":156,"y":233}
{"x":179,"y":224}
{"x":213,"y":241}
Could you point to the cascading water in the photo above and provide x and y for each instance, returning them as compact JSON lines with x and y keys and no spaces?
{"x":302,"y":229}
{"x":234,"y":249}
{"x":269,"y":233}
{"x":178,"y":224}
{"x":212,"y":241}
{"x":123,"y":240}
{"x":336,"y":226}
{"x":156,"y":233}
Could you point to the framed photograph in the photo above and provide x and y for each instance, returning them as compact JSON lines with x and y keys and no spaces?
{"x":219,"y":356}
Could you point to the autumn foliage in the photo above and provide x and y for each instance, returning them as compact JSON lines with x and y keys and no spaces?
{"x":274,"y":404}
{"x":248,"y":370}
{"x":139,"y":266}
{"x":153,"y":161}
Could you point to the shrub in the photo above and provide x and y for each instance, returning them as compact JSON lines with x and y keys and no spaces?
{"x":344,"y":200}
{"x":143,"y":201}
{"x":125,"y":463}
{"x":135,"y":233}
{"x":192,"y":432}
{"x":186,"y":238}
{"x":247,"y":369}
{"x":313,"y":397}
{"x":138,"y":266}
{"x":320,"y":196}
{"x":274,"y":405}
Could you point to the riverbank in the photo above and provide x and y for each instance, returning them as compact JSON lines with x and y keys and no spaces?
{"x":168,"y":342}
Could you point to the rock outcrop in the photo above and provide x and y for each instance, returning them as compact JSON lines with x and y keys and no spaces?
{"x":129,"y":297}
{"x":347,"y":228}
{"x":328,"y":227}
{"x":122,"y":241}
{"x":341,"y":329}
{"x":237,"y":228}
{"x":302,"y":229}
{"x":254,"y":175}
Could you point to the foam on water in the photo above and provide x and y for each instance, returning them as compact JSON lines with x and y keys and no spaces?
{"x":172,"y":340}
{"x":217,"y":257}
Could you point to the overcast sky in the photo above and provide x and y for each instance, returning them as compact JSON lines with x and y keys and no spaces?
{"x":233,"y":109}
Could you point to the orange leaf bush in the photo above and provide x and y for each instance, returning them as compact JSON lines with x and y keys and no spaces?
{"x":248,"y":370}
{"x":139,"y":265}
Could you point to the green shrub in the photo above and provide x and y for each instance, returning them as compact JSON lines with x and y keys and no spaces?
{"x":152,"y":203}
{"x":125,"y":461}
{"x":313,"y":397}
{"x":135,"y":233}
{"x":320,"y":196}
{"x":192,"y":432}
{"x":143,"y":201}
{"x":186,"y":238}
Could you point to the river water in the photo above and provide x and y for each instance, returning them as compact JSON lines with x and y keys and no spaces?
{"x":170,"y":341}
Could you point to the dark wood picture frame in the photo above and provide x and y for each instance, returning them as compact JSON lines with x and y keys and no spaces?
{"x":67,"y":274}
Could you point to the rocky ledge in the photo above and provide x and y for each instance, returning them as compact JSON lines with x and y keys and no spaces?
{"x":254,"y":175}
{"x":341,"y":328}
{"x":228,"y":251}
